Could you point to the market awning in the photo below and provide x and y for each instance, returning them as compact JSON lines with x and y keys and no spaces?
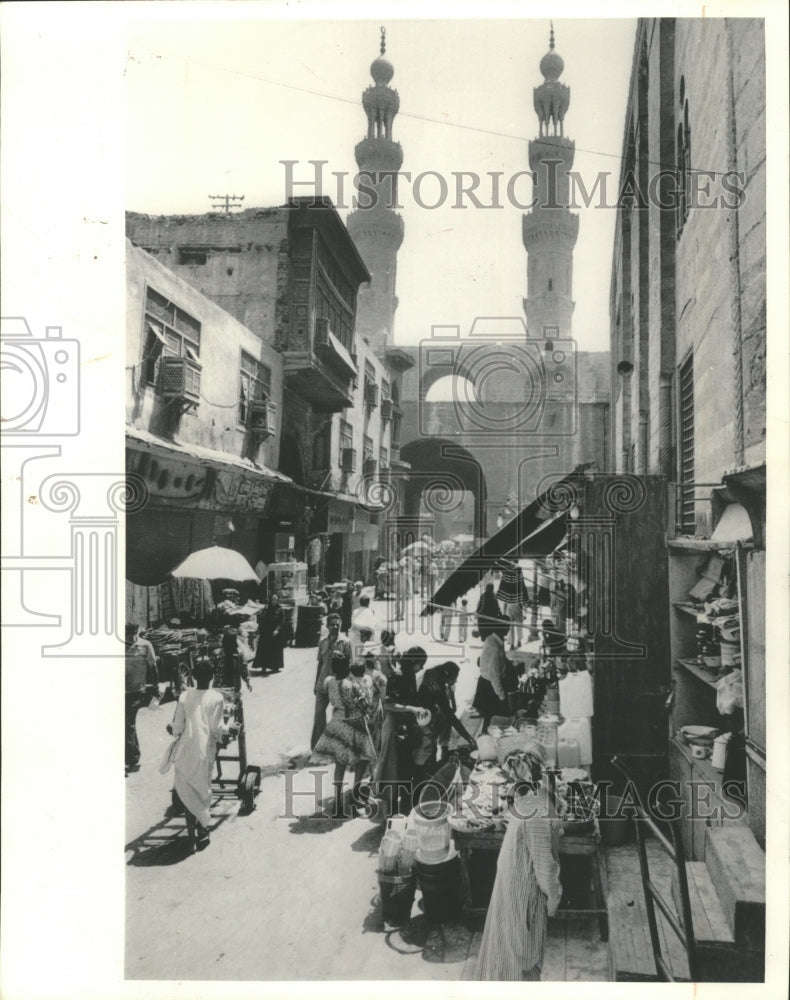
{"x":546,"y":539}
{"x":534,"y":532}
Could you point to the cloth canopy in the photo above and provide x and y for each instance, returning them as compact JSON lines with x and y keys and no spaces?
{"x":536,"y":531}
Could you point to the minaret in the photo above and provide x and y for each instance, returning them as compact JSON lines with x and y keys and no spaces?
{"x":549,"y":230}
{"x":377,"y":230}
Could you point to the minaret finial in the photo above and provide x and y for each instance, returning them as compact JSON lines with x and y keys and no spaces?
{"x":551,"y":35}
{"x":383,"y":39}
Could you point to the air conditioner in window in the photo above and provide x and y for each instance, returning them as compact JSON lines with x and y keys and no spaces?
{"x":386,"y":408}
{"x":371,"y":395}
{"x":369,"y":467}
{"x":263,"y":418}
{"x":180,"y":379}
{"x":348,"y":460}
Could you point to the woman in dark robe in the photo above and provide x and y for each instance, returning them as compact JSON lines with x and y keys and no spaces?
{"x":399,"y":735}
{"x":347,"y":608}
{"x":488,"y":612}
{"x":272,"y":636}
{"x":436,"y":694}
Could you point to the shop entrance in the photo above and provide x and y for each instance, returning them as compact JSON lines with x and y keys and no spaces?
{"x":333,"y":559}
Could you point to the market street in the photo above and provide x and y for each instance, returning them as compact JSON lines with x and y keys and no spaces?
{"x":250,"y":906}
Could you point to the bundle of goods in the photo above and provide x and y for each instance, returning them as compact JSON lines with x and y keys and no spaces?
{"x":578,"y":802}
{"x":163,"y":639}
{"x":484,"y":801}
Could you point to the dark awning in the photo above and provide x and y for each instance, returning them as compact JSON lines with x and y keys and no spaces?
{"x":534,"y":532}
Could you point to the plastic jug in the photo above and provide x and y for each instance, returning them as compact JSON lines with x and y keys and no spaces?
{"x":389,"y":852}
{"x":486,"y":748}
{"x":576,"y":695}
{"x":579,"y":730}
{"x":397,"y":823}
{"x":568,"y":753}
{"x":408,"y":851}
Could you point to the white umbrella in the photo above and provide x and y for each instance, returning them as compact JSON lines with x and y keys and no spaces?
{"x":418,"y":547}
{"x":216,"y":563}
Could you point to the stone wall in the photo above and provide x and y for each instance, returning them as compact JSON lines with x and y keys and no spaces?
{"x":698,"y":287}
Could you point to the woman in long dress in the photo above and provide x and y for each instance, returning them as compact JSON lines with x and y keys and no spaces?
{"x":199,"y":725}
{"x":345,"y":742}
{"x":272,"y":628}
{"x":399,"y":735}
{"x":487,"y":611}
{"x":491,"y":694}
{"x":527,"y":889}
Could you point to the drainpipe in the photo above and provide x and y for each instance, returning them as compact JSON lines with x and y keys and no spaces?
{"x":735,"y":265}
{"x":665,"y":456}
{"x":643,"y":444}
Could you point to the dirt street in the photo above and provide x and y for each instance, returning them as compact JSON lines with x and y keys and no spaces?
{"x":280,"y":894}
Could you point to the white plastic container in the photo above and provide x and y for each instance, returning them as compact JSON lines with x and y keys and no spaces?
{"x":397,"y":823}
{"x":719,"y":758}
{"x":576,"y":695}
{"x":389,"y":852}
{"x":568,"y":753}
{"x":579,"y":730}
{"x":434,"y":834}
{"x":408,"y":851}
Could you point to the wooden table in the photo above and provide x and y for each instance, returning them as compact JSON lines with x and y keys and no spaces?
{"x":578,"y":845}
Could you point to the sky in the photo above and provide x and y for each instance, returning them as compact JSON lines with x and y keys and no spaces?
{"x":213,"y":106}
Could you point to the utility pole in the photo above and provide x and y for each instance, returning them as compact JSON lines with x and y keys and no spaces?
{"x":228,"y":200}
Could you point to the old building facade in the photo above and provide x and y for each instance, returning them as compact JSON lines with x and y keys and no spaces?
{"x":203,"y":411}
{"x":688,"y":352}
{"x":688,"y":319}
{"x":501,"y":409}
{"x":292,"y":276}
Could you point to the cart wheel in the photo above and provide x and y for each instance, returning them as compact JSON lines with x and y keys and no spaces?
{"x":249,"y":791}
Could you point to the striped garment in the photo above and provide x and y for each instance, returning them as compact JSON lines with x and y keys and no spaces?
{"x":526,"y":891}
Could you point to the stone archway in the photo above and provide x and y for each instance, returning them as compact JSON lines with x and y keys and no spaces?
{"x":440,"y":471}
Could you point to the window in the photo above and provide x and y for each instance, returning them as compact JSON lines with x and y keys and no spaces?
{"x":686,"y":471}
{"x":384,"y":458}
{"x":550,"y":331}
{"x":551,"y":285}
{"x":190,"y":255}
{"x":385,"y":389}
{"x":169,"y":331}
{"x":368,"y":447}
{"x":255,"y":383}
{"x":346,"y":437}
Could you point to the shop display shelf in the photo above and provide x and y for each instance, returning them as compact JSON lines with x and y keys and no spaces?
{"x":698,"y":671}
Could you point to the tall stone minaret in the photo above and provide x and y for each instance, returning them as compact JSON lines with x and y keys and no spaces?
{"x":549,"y":230}
{"x":377,"y":230}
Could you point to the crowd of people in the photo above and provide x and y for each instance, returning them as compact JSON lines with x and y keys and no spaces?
{"x":379,"y":715}
{"x":386,"y":719}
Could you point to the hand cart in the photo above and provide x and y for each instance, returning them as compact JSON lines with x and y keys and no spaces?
{"x":248,"y":781}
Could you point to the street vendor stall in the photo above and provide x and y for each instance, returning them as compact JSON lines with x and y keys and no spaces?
{"x":599,"y":540}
